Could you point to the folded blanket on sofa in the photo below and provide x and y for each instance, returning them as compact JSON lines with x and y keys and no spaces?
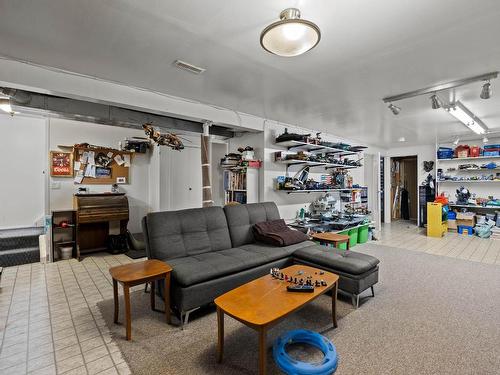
{"x":277,"y":233}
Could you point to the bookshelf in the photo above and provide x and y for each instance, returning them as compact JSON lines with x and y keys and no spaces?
{"x":240,"y":185}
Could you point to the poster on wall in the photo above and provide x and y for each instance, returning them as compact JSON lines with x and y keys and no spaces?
{"x":61,"y":164}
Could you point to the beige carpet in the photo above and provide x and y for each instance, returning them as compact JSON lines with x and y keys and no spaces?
{"x":431,"y":315}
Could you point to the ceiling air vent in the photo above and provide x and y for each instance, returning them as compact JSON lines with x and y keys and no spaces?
{"x":189,"y":67}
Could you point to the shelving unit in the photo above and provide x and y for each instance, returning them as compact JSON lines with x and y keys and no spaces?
{"x":315,"y":164}
{"x":473,"y":158}
{"x":240,"y":185}
{"x":320,"y":190}
{"x":466,"y":181}
{"x":303,"y":146}
{"x":63,"y":236}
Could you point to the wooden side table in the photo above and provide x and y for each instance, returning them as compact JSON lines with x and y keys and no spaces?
{"x":133,"y":274}
{"x":331,"y":238}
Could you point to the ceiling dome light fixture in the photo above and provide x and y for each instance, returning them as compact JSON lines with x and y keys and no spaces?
{"x":291,"y":35}
{"x":436,"y":102}
{"x":486,"y":91}
{"x":395,"y":109}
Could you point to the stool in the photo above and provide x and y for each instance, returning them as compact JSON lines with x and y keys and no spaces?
{"x":331,"y":238}
{"x":138,"y":273}
{"x":293,"y":367}
{"x":465,"y":228}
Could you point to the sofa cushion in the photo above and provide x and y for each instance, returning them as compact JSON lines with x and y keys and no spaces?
{"x":175,"y":234}
{"x":241,"y":218}
{"x":207,"y":266}
{"x":275,"y":252}
{"x":350,"y":262}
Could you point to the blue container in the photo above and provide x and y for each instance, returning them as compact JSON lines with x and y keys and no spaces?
{"x":452,"y":215}
{"x":444,"y":153}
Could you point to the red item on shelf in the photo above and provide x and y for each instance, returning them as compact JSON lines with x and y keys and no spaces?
{"x":441,"y":199}
{"x":474,"y":151}
{"x":462,"y":151}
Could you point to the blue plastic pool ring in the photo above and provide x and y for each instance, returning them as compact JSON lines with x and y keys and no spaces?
{"x":293,"y":367}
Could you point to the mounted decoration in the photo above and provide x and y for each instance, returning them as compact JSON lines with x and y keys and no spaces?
{"x":61,"y":164}
{"x":163,"y":139}
{"x":428,"y":165}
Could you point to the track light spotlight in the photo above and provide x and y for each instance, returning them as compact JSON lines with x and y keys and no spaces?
{"x":485,"y":139}
{"x":394,"y":109}
{"x":436,"y":102}
{"x":455,"y":142}
{"x":486,"y":91}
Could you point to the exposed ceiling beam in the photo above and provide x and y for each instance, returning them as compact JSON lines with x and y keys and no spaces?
{"x":76,"y":109}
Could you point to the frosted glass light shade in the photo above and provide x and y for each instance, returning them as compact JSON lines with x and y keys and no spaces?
{"x":291,"y":36}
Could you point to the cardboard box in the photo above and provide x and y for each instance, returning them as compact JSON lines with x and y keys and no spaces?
{"x":466,"y":218}
{"x":452,"y":225}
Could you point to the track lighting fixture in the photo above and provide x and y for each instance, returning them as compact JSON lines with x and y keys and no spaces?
{"x":485,"y":139}
{"x":436,"y":102}
{"x":486,"y":91}
{"x":455,"y":142}
{"x":394,"y":109}
{"x":5,"y":105}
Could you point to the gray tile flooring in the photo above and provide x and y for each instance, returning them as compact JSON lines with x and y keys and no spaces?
{"x":49,"y":321}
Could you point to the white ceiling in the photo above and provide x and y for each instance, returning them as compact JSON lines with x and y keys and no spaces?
{"x":369,"y":49}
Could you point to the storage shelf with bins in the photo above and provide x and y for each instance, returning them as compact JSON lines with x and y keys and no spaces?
{"x":320,"y":190}
{"x":481,"y":182}
{"x":63,"y":236}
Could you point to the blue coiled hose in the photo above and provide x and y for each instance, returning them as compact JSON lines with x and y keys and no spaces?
{"x":293,"y":367}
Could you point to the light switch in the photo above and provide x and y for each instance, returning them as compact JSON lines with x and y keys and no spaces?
{"x":54,"y":185}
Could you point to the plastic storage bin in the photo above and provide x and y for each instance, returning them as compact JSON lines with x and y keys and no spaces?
{"x":445,"y":153}
{"x":343,"y":246}
{"x":363,"y":234}
{"x":353,"y":237}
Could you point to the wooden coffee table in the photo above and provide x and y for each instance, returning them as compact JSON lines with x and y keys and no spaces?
{"x":264,"y":302}
{"x":139,"y":273}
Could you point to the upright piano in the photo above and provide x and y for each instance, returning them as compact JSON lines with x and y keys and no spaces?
{"x":94,"y":213}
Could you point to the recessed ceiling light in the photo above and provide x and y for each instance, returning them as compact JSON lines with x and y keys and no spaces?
{"x":188,"y":67}
{"x":291,"y":35}
{"x":401,"y":139}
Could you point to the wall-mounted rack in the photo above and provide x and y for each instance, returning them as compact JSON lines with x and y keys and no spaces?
{"x":290,"y":162}
{"x":313,"y":148}
{"x":319,"y":190}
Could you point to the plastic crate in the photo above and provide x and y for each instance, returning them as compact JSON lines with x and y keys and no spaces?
{"x":343,"y":246}
{"x":445,"y":153}
{"x":353,"y":237}
{"x":363,"y":234}
{"x":490,"y":153}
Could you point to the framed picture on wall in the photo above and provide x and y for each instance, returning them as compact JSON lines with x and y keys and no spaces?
{"x":61,"y":164}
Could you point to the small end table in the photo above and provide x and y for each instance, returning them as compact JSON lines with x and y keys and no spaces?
{"x":137,"y":273}
{"x":331,"y":238}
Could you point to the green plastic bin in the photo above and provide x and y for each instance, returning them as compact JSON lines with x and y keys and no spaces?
{"x":353,"y":237}
{"x":363,"y":234}
{"x":343,"y":246}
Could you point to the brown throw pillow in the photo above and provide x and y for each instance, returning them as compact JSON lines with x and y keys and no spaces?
{"x":277,"y":233}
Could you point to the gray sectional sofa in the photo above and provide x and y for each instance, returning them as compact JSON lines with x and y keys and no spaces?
{"x":212,"y":250}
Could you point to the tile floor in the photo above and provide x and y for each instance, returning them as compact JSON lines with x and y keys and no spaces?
{"x":49,"y":321}
{"x":50,"y":324}
{"x":405,"y":235}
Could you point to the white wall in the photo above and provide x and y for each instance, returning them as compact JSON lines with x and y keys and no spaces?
{"x":66,"y":132}
{"x":23,"y":161}
{"x":424,"y":153}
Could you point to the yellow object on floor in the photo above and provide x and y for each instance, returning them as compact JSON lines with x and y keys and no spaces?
{"x":436,"y":227}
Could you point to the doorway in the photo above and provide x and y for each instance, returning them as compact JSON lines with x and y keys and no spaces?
{"x":404,"y":195}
